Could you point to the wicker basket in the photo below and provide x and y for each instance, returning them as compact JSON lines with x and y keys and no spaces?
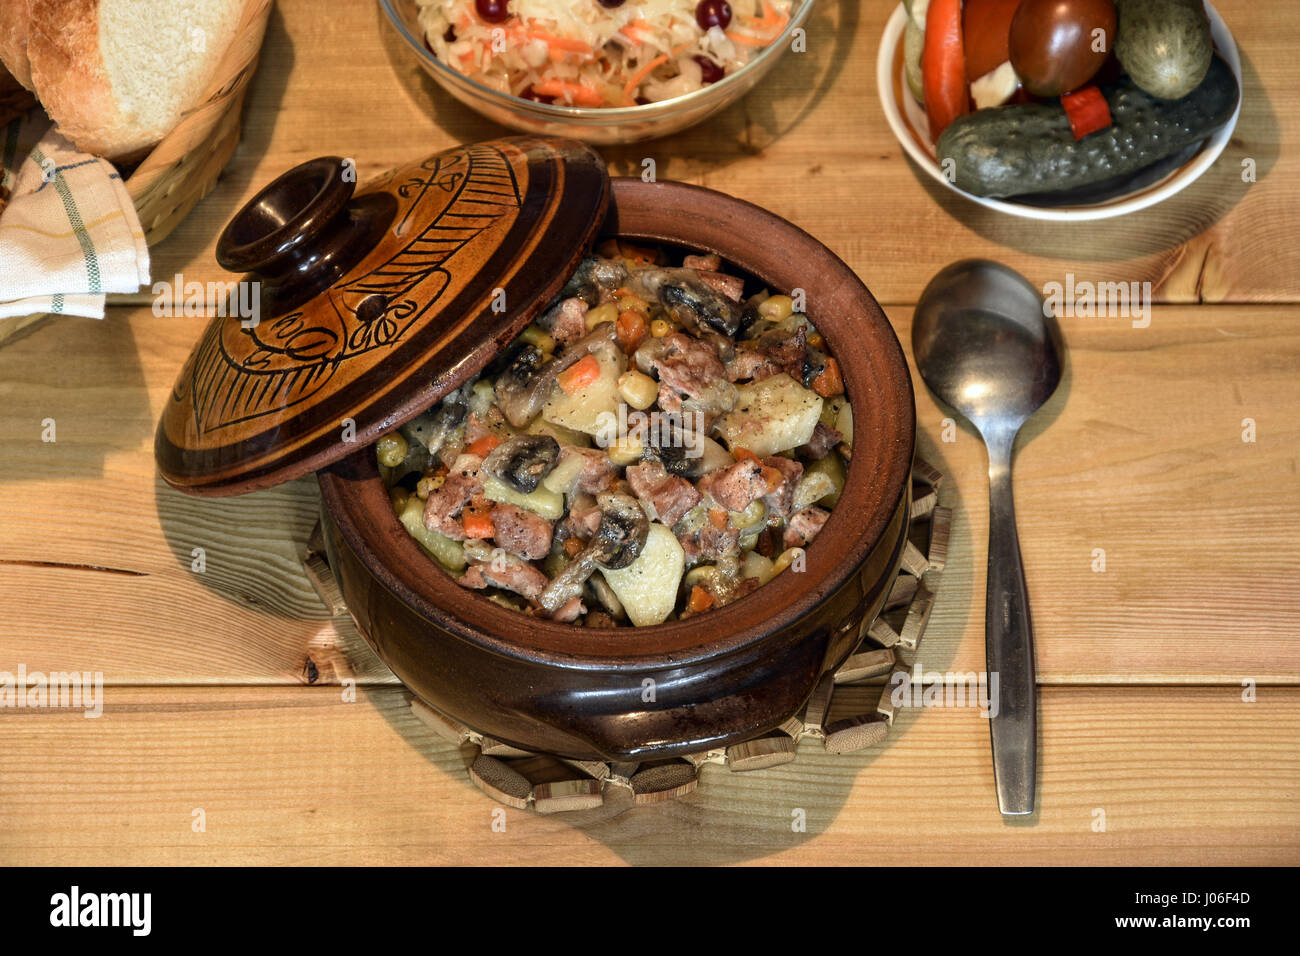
{"x":184,"y":167}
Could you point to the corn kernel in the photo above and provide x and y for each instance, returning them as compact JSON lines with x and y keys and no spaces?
{"x":751,"y":516}
{"x":538,"y":336}
{"x":626,"y":451}
{"x":399,"y":496}
{"x":638,"y":389}
{"x":392,"y":449}
{"x":633,"y":303}
{"x":601,"y":314}
{"x":778,"y":308}
{"x":788,"y":557}
{"x":660,"y":328}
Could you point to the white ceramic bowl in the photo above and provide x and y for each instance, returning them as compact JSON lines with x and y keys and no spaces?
{"x":907,"y":120}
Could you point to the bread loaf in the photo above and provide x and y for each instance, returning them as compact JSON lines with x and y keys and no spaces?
{"x":14,"y":20}
{"x":117,"y":75}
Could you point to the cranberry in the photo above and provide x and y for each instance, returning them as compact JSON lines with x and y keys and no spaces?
{"x":450,"y":35}
{"x":713,"y":13}
{"x":611,"y":4}
{"x":710,"y":71}
{"x":492,"y":11}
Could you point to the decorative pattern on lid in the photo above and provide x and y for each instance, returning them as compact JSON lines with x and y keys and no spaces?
{"x":465,"y":249}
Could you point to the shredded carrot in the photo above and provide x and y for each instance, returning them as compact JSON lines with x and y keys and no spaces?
{"x":483,"y":445}
{"x":566,"y":44}
{"x":642,"y":73}
{"x":582,"y":95}
{"x":579,"y":375}
{"x":701,"y":600}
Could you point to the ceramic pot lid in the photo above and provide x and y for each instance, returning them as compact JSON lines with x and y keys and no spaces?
{"x":359,"y":312}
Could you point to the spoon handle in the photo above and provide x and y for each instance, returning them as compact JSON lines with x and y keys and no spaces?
{"x":1009,"y":646}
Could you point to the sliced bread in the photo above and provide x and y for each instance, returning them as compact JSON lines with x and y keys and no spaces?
{"x":117,"y":75}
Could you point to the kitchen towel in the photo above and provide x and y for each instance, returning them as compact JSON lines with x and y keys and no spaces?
{"x":69,"y":233}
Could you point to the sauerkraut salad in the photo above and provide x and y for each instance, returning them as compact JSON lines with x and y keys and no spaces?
{"x":600,"y":53}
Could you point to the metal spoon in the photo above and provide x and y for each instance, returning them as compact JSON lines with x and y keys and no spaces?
{"x":985,"y":344}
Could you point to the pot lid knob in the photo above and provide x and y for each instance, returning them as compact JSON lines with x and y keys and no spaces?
{"x":303,"y":231}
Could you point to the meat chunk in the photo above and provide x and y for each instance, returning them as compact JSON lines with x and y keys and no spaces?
{"x":733,"y":287}
{"x":705,"y":263}
{"x":569,"y":611}
{"x":521,"y":532}
{"x":583,"y":519}
{"x":781,"y":498}
{"x":803,"y":527}
{"x":598,"y":472}
{"x":751,"y":364}
{"x":443,"y":506}
{"x":491,"y":422}
{"x":667,"y":496}
{"x":509,"y":573}
{"x":824,"y":438}
{"x":736,"y":487}
{"x":710,"y":543}
{"x":688,"y":367}
{"x":567,"y":322}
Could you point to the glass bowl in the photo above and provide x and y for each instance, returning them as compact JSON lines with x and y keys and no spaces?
{"x":601,"y":126}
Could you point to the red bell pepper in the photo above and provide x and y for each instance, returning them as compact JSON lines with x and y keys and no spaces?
{"x":943,"y":66}
{"x":1087,"y":109}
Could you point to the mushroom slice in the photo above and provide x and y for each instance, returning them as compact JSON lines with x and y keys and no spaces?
{"x":616,"y":544}
{"x":523,"y":461}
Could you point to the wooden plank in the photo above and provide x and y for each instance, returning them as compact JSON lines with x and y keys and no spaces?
{"x":1139,"y":456}
{"x":292,"y":776}
{"x":810,"y":143}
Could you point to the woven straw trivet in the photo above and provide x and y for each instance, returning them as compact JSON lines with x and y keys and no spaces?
{"x":519,"y":778}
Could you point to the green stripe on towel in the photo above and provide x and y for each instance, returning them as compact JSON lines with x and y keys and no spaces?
{"x":74,"y":219}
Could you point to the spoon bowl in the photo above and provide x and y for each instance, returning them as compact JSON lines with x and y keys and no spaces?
{"x":986,"y":344}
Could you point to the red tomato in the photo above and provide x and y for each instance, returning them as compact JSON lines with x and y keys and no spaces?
{"x":1059,"y":45}
{"x":986,"y":28}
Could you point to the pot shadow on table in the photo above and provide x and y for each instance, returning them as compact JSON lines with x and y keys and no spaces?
{"x":731,"y":817}
{"x":745,"y":128}
{"x":1157,"y":231}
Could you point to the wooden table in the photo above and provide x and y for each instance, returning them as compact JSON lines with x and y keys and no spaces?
{"x":1170,"y":679}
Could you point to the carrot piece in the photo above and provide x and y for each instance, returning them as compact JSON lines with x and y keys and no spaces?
{"x":701,"y":600}
{"x":631,"y":329}
{"x":743,"y":454}
{"x":718,"y":518}
{"x":943,"y":66}
{"x":829,"y":383}
{"x":582,"y":95}
{"x":573,"y":547}
{"x":483,"y":445}
{"x":773,"y":477}
{"x":477,"y":521}
{"x":1087,"y":111}
{"x":579,"y":375}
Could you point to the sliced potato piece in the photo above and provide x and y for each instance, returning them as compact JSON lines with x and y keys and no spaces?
{"x":543,"y":501}
{"x":757,"y":566}
{"x":812,"y":488}
{"x":583,"y":410}
{"x":648,"y":586}
{"x":770,"y":416}
{"x":833,"y":467}
{"x":565,"y":436}
{"x":446,"y":551}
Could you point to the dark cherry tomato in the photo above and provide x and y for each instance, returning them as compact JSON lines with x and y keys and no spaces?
{"x":1055,"y":46}
{"x":492,"y":11}
{"x":986,"y":34}
{"x":710,"y":70}
{"x":713,"y":13}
